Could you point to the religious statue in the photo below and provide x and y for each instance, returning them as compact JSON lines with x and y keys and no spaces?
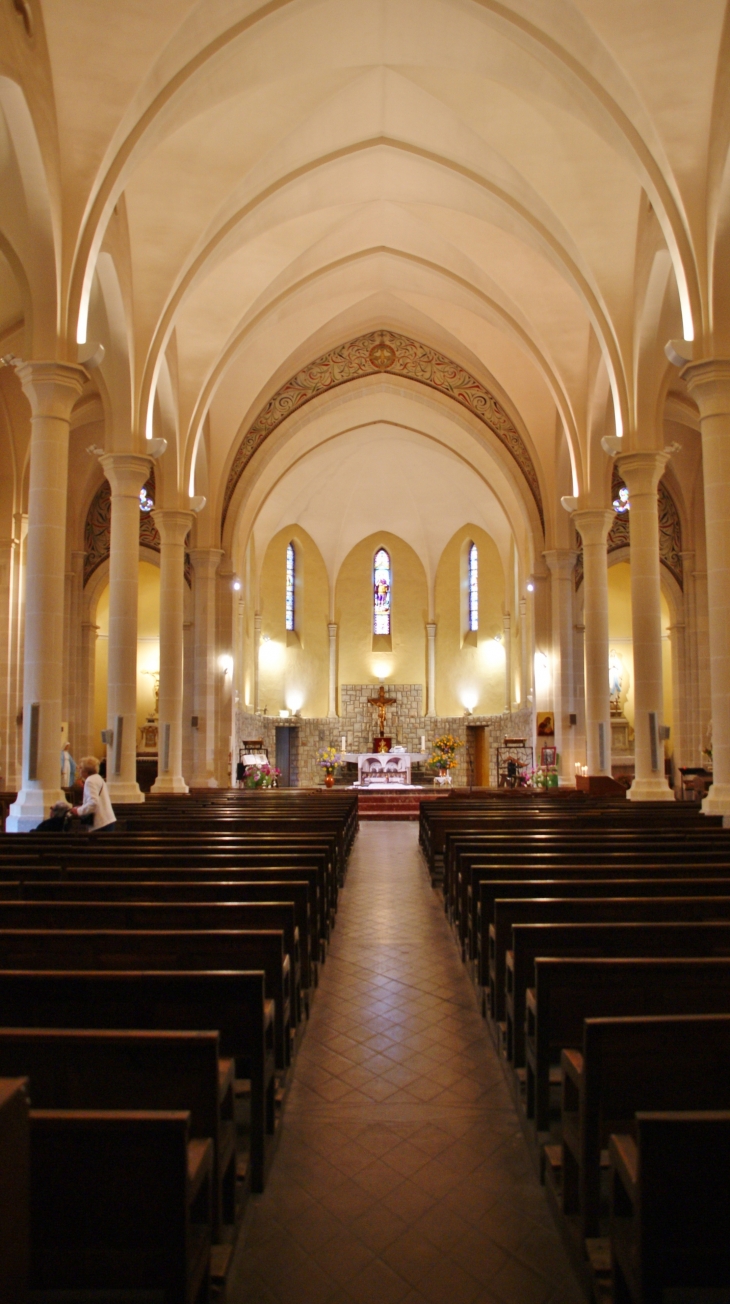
{"x":381,"y":702}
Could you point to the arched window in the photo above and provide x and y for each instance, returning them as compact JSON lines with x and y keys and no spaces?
{"x":290,"y":577}
{"x":381,"y":592}
{"x":473,"y":570}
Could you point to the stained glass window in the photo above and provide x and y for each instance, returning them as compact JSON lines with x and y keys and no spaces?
{"x":290,"y":572}
{"x":381,"y":592}
{"x":473,"y":587}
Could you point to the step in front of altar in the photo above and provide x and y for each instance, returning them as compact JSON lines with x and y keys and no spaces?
{"x":382,"y":804}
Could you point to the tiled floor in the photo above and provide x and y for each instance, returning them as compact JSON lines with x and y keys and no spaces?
{"x":402,"y":1175}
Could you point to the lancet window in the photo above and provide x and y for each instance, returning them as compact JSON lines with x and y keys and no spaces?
{"x":381,"y":592}
{"x":473,"y":576}
{"x":291,"y":562}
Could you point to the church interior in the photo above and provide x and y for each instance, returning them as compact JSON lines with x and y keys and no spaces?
{"x":365,"y":437}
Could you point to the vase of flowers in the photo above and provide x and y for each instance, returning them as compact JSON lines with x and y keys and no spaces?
{"x":328,"y":760}
{"x":261,"y":776}
{"x":443,"y":757}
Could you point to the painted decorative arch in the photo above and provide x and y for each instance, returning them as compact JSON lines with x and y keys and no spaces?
{"x":379,"y":353}
{"x":619,"y":536}
{"x":97,"y":529}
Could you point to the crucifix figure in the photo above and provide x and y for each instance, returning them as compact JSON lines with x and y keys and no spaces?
{"x":381,"y":701}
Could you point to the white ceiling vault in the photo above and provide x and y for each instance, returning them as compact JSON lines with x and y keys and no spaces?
{"x":221,"y":191}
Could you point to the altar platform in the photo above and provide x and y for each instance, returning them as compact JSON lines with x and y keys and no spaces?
{"x":394,"y":803}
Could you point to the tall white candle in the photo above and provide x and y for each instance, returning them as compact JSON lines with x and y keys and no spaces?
{"x":423,"y":742}
{"x":344,"y":743}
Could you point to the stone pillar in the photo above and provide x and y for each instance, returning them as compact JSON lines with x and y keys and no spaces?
{"x":126,"y":473}
{"x":561,"y":562}
{"x":431,"y":663}
{"x":87,"y":744}
{"x":173,"y":528}
{"x":8,"y":548}
{"x":708,"y":382}
{"x":507,"y":636}
{"x":52,"y":388}
{"x":256,"y":651}
{"x":18,"y":651}
{"x":205,"y":699}
{"x":593,"y":527}
{"x":74,"y":649}
{"x":332,"y":694}
{"x":642,"y":473}
{"x":526,"y":693}
{"x":680,"y":750}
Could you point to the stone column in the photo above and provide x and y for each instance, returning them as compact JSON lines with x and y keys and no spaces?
{"x":205,"y":699}
{"x":431,"y":663}
{"x":708,"y":382}
{"x":8,"y":548}
{"x":126,"y":473}
{"x":678,"y":641}
{"x":561,"y":562}
{"x":256,"y":651}
{"x":18,"y":651}
{"x":332,"y":694}
{"x":507,"y":636}
{"x":74,"y":649}
{"x":525,"y":667}
{"x":593,"y":527}
{"x":52,"y":388}
{"x":173,"y":528}
{"x":87,"y":744}
{"x":642,"y":473}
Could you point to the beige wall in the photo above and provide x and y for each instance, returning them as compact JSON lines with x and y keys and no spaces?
{"x":148,"y":650}
{"x":359,"y":663}
{"x":293,"y":668}
{"x":621,"y":640}
{"x":470,"y":670}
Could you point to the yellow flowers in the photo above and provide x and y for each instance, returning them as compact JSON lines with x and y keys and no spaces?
{"x":443,"y":754}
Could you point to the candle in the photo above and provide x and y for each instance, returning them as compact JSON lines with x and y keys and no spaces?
{"x":344,"y":743}
{"x":423,"y":742}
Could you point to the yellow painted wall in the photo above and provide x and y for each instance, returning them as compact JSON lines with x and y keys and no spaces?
{"x":406,"y":662}
{"x":469,"y":672}
{"x":621,"y":640}
{"x":293,"y":671}
{"x":148,"y":649}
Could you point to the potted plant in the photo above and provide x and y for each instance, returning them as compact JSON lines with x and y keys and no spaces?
{"x":443,"y":757}
{"x":261,"y":776}
{"x":329,"y":759}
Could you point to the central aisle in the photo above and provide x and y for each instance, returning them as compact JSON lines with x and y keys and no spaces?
{"x":402,"y":1174}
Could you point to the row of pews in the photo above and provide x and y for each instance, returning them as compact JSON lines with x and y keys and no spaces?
{"x":598,"y":938}
{"x":154,"y":982}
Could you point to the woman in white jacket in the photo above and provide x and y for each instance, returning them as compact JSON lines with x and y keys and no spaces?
{"x":96,"y":799}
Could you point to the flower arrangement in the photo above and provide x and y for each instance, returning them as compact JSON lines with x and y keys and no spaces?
{"x":443,"y":752}
{"x":261,"y":776}
{"x":328,"y":758}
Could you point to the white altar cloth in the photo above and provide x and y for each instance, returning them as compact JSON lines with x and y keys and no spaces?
{"x":384,"y":769}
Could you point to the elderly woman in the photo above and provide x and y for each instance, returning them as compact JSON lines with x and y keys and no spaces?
{"x":96,"y":800}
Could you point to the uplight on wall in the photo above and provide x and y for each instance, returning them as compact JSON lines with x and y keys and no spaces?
{"x":469,"y":699}
{"x":542,"y":672}
{"x":381,"y":670}
{"x":271,"y":653}
{"x":236,"y":584}
{"x":530,"y":586}
{"x":226,"y":664}
{"x":295,"y":701}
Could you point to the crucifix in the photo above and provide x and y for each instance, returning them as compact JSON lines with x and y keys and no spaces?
{"x":381,"y":701}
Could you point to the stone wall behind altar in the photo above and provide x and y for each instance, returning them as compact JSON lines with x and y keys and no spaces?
{"x":404,"y":723}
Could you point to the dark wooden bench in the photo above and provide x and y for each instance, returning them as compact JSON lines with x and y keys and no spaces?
{"x":568,"y":990}
{"x":14,"y":1190}
{"x":626,"y":1065}
{"x":90,"y":1069}
{"x":595,"y":940}
{"x":120,"y":1200}
{"x":670,"y":1208}
{"x":128,"y":949}
{"x":233,"y":1003}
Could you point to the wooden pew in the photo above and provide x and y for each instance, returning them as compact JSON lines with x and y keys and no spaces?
{"x":670,"y":1207}
{"x":127,"y":949}
{"x":583,"y":910}
{"x":234,"y":1003}
{"x":119,"y":1200}
{"x":515,"y":889}
{"x":626,"y":1065}
{"x":14,"y":1190}
{"x":166,"y":916}
{"x":297,"y":892}
{"x":568,"y":990}
{"x":90,"y":1069}
{"x":599,"y":940}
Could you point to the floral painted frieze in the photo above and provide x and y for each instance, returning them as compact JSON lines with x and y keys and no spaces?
{"x":670,"y":532}
{"x":379,"y":353}
{"x":97,"y":529}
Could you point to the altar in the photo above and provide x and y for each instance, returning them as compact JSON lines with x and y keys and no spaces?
{"x":384,"y":769}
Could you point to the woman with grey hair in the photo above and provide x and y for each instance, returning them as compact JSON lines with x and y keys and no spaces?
{"x":96,"y":799}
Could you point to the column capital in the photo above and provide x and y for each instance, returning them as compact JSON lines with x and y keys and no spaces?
{"x":51,"y":388}
{"x":561,"y":561}
{"x":332,"y":629}
{"x":431,"y":628}
{"x":206,"y":560}
{"x":173,"y":526}
{"x":708,"y":381}
{"x":593,"y":525}
{"x":126,"y":473}
{"x":642,"y":471}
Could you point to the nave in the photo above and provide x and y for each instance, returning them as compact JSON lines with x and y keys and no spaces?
{"x":402,"y":1173}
